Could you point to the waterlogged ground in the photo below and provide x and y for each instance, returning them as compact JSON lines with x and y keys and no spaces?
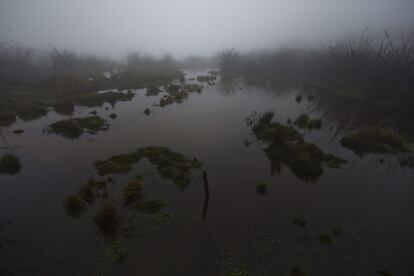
{"x":352,"y":220}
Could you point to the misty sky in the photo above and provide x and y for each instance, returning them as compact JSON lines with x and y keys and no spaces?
{"x":185,"y":27}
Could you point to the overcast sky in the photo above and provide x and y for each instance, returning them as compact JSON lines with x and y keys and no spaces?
{"x":200,"y":27}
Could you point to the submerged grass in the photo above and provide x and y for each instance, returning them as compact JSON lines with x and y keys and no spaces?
{"x":287,"y":146}
{"x":376,"y":140}
{"x":73,"y":128}
{"x":10,"y":164}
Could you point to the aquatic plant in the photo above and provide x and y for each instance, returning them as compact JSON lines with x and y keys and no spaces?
{"x":376,"y":140}
{"x":18,"y":131}
{"x":159,"y":218}
{"x":286,"y":145}
{"x":113,"y":116}
{"x":10,"y":164}
{"x":299,"y":98}
{"x":132,"y":192}
{"x":29,"y":112}
{"x":73,"y":205}
{"x":193,"y":88}
{"x":261,"y":188}
{"x":150,"y":206}
{"x":86,"y":194}
{"x":73,"y":128}
{"x":108,"y":219}
{"x":170,"y":164}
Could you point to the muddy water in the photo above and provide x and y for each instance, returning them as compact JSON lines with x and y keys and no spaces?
{"x":370,"y":201}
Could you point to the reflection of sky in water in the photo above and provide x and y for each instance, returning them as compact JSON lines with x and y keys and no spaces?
{"x":369,"y":200}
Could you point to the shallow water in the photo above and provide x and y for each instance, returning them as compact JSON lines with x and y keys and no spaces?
{"x":371,"y":201}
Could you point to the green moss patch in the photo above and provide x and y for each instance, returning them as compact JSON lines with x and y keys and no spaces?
{"x":287,"y":146}
{"x":73,"y":128}
{"x":376,"y":140}
{"x":10,"y":164}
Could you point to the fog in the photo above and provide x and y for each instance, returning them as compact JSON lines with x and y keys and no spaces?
{"x":183,"y":27}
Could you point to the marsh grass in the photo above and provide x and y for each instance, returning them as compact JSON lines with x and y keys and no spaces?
{"x":73,"y":205}
{"x":376,"y":140}
{"x":170,"y":165}
{"x":73,"y":128}
{"x":133,"y":191}
{"x":10,"y":164}
{"x":287,"y":146}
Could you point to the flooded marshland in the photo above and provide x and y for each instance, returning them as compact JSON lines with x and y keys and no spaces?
{"x":118,"y":187}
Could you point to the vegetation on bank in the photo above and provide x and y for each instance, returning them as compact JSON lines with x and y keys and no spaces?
{"x":366,"y":78}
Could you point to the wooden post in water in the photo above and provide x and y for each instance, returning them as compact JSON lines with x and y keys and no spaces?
{"x":206,"y":194}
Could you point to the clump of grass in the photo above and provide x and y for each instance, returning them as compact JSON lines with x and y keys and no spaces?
{"x":73,"y":205}
{"x":261,"y":188}
{"x":73,"y":128}
{"x":287,"y":146}
{"x":297,"y":271}
{"x":299,"y":98}
{"x":132,"y":192}
{"x":174,"y":88}
{"x":147,"y":111}
{"x":19,"y":131}
{"x":10,"y":164}
{"x":324,"y":239}
{"x":113,"y":116}
{"x":376,"y":140}
{"x":176,"y":97}
{"x":304,"y":121}
{"x":108,"y":219}
{"x":150,"y":206}
{"x":299,"y":221}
